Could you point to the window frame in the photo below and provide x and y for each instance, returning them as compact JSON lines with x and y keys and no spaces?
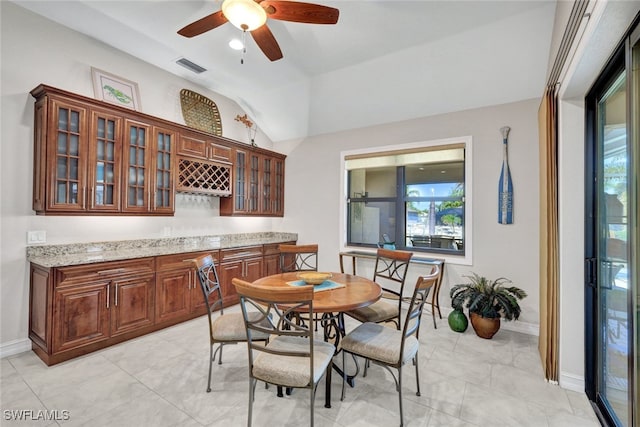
{"x":467,"y":257}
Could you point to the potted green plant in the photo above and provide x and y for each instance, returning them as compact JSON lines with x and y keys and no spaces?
{"x":487,"y":301}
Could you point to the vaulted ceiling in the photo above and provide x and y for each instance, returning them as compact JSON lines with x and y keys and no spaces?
{"x":384,"y":61}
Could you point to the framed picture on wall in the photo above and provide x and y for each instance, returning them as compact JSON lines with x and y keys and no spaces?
{"x":115,"y":90}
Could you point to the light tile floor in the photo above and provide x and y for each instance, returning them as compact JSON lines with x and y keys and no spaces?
{"x":160,"y":380}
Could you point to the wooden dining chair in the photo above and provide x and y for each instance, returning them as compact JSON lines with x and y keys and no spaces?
{"x":390,"y":273}
{"x":225,"y":328}
{"x":391,"y":348}
{"x":298,"y":258}
{"x":434,"y":301}
{"x":293,"y":358}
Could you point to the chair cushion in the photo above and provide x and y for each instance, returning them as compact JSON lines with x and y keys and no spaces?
{"x":292,"y":371}
{"x":378,"y":342}
{"x":379,"y":311}
{"x":230,"y":327}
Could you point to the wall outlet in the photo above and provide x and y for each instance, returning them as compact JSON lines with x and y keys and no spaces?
{"x":38,"y":236}
{"x":166,"y":231}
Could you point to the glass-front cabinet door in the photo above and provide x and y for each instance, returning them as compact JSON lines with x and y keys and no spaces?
{"x":278,"y":187}
{"x":164,"y":192}
{"x":68,"y":156}
{"x":253,"y":184}
{"x":240,"y":182}
{"x":104,"y":162}
{"x":137,"y":194}
{"x":267,"y":185}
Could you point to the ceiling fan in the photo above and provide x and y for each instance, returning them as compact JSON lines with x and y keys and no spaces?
{"x":251,"y":16}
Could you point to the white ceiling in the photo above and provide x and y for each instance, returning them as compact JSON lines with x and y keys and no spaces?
{"x":384,"y":61}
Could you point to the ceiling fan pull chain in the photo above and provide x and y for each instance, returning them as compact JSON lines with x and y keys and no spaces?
{"x":244,"y":46}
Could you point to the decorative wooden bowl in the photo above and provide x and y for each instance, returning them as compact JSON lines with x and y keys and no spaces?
{"x":314,"y":277}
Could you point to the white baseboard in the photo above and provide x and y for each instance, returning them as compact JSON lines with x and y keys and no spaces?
{"x":523,"y":327}
{"x":14,"y":347}
{"x":572,"y":382}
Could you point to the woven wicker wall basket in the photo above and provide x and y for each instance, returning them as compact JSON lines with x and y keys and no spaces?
{"x":200,"y":112}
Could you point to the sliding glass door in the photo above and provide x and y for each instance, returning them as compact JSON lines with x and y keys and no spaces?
{"x":612,"y":216}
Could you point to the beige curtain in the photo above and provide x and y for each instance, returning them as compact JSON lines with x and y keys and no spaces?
{"x":549,"y":276}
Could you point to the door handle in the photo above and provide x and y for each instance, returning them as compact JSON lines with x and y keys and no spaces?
{"x":108,"y":293}
{"x":590,"y":272}
{"x":607,"y":280}
{"x":116,"y":294}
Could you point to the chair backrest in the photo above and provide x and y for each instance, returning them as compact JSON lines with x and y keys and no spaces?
{"x":298,"y":258}
{"x":277,"y":310}
{"x":436,"y":288}
{"x":209,"y":283}
{"x":392,"y":265}
{"x":424,"y":285}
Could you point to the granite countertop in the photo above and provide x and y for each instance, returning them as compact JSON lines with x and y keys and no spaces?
{"x":88,"y":253}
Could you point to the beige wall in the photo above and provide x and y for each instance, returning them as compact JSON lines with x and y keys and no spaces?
{"x":34,"y":51}
{"x":313,"y":192}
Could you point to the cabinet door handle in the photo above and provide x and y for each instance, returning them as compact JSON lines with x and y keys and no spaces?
{"x":91,"y":197}
{"x":108,"y":293}
{"x":116,"y":293}
{"x":190,"y":279}
{"x":84,"y":197}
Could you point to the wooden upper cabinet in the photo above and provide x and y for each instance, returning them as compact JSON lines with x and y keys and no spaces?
{"x":148,"y":165}
{"x":203,"y":166}
{"x":258,"y":185}
{"x":91,"y":157}
{"x":202,"y":147}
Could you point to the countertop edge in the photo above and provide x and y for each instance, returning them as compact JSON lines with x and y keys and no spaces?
{"x":64,"y":255}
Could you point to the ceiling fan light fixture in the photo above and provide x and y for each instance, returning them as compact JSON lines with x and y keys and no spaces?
{"x":246,"y":15}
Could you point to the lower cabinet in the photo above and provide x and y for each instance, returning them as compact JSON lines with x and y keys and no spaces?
{"x":243,"y":263}
{"x":109,"y":307}
{"x":178,"y":291}
{"x":132,"y":303}
{"x":272,"y":258}
{"x":83,"y":316}
{"x":75,"y":310}
{"x":78,"y":307}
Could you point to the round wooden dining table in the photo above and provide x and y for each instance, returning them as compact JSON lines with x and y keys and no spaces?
{"x":352,"y":292}
{"x":357,"y":291}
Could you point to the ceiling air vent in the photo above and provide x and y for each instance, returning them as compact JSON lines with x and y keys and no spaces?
{"x":190,"y":66}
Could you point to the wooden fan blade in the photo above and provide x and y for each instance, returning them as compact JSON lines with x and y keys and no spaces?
{"x":203,"y":25}
{"x":294,"y":11}
{"x":267,"y":42}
